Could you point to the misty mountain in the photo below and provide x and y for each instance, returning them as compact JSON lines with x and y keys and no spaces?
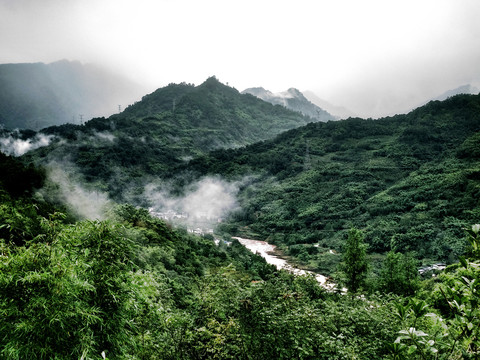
{"x":339,"y":112}
{"x":37,"y":95}
{"x":407,"y":181}
{"x":292,"y":99}
{"x":410,"y":182}
{"x":464,"y":89}
{"x":220,"y":116}
{"x":163,"y":130}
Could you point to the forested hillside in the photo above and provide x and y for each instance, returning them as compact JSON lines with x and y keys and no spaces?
{"x":164,"y":130}
{"x":410,"y":182}
{"x":131,"y":287}
{"x":360,"y":200}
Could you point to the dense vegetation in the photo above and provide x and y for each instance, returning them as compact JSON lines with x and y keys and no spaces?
{"x":410,"y":182}
{"x":132,"y":287}
{"x":161,"y":132}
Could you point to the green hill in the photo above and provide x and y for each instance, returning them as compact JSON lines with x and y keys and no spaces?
{"x":132,"y":287}
{"x":411,"y":182}
{"x":164,"y":130}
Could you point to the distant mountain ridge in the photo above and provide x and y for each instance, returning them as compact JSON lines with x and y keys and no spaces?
{"x":464,"y":89}
{"x":467,"y":89}
{"x":292,"y":99}
{"x":340,"y":112}
{"x":37,"y":95}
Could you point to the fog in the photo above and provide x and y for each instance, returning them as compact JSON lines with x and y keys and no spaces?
{"x":204,"y":204}
{"x":374,"y":57}
{"x":69,"y":190}
{"x":14,"y":146}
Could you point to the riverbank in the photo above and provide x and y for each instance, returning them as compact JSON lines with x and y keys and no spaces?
{"x":268,"y":252}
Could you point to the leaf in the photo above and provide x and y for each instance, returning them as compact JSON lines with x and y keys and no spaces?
{"x":420,"y":333}
{"x":476,"y":228}
{"x":411,"y":349}
{"x":467,"y":281}
{"x":463,"y":261}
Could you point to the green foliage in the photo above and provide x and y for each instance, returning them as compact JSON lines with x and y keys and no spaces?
{"x":134,"y":288}
{"x":473,"y":237}
{"x":404,"y":180}
{"x":455,"y":333}
{"x":399,"y":274}
{"x":65,"y":293}
{"x":355,"y":266}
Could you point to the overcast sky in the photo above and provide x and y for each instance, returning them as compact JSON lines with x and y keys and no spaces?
{"x":376,"y":57}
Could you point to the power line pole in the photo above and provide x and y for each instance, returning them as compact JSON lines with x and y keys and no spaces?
{"x":81,"y":118}
{"x":119,"y":108}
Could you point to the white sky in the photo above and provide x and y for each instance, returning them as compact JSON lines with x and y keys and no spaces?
{"x":376,"y":57}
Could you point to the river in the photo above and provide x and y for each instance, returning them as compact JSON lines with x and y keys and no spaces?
{"x":267,"y":251}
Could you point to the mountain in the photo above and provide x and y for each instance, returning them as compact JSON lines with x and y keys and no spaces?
{"x":163,"y":130}
{"x":135,"y":287}
{"x":464,"y":89}
{"x":37,"y":95}
{"x":339,"y":112}
{"x":292,"y":99}
{"x":410,"y":182}
{"x":220,"y":116}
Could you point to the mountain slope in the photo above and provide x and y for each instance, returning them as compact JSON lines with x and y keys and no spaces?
{"x":411,"y":182}
{"x":219,"y":114}
{"x":292,"y":99}
{"x":165,"y":129}
{"x":38,"y":95}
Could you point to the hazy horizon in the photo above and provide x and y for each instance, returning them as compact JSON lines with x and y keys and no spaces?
{"x":376,"y":58}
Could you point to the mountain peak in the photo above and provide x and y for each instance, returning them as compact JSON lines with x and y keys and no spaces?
{"x":292,"y":99}
{"x":295,"y":92}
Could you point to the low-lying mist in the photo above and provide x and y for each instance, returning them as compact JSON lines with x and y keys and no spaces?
{"x":203,"y":205}
{"x":66,"y":187}
{"x":15,"y":146}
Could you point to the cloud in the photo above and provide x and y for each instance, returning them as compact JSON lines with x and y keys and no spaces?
{"x":104,"y":135}
{"x":86,"y":203}
{"x":17,"y":147}
{"x":204,"y":204}
{"x":376,"y":57}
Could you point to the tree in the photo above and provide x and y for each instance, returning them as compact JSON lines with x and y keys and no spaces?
{"x":399,"y":274}
{"x":355,"y":265}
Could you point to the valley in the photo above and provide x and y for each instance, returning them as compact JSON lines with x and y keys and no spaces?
{"x":267,"y":251}
{"x":132,"y":236}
